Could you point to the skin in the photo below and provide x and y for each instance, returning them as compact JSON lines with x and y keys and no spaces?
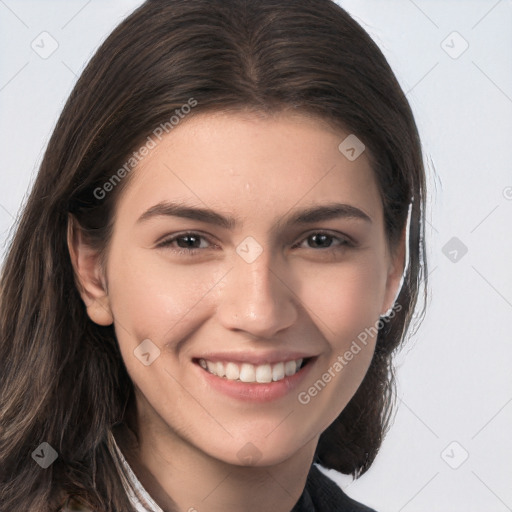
{"x":295,"y":295}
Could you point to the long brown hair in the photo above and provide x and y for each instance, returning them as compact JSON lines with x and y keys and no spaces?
{"x":62,"y":378}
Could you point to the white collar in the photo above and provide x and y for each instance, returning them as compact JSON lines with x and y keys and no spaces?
{"x":138,"y":496}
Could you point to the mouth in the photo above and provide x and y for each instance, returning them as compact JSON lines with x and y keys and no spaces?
{"x":251,"y":373}
{"x":254,"y":383}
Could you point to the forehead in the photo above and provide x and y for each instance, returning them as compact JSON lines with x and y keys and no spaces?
{"x":251,"y":164}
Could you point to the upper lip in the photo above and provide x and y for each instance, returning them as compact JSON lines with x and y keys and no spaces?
{"x":255,"y":358}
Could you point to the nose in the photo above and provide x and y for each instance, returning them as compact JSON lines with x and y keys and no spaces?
{"x":257,"y":298}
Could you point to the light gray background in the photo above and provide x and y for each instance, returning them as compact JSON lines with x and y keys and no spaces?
{"x":454,"y":378}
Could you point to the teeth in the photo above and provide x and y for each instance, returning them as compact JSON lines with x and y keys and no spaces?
{"x":219,"y":369}
{"x":278,"y":371}
{"x":247,"y":372}
{"x":289,"y":368}
{"x":232,"y":371}
{"x":264,"y":373}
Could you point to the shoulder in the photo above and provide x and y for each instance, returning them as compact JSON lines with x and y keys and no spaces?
{"x":327,"y":495}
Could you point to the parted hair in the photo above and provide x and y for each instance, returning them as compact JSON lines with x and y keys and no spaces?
{"x":62,"y":377}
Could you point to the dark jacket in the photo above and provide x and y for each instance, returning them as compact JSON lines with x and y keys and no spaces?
{"x":321,"y":494}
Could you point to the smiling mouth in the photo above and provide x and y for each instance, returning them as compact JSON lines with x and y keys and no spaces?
{"x":250,"y":373}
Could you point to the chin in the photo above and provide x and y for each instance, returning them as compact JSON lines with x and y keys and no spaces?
{"x":259,"y":452}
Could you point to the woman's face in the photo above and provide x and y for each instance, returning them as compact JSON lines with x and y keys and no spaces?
{"x":270,"y":249}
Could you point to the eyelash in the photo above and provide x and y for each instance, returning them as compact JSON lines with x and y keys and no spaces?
{"x":345,"y":242}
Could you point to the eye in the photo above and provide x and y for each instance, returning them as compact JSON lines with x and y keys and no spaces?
{"x":188,"y":243}
{"x":322,"y":240}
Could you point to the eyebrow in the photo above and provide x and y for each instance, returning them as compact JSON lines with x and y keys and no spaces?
{"x":308,"y":215}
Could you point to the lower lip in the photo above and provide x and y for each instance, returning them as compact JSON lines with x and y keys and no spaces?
{"x":254,"y":391}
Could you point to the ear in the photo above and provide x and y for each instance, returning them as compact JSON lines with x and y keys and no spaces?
{"x":395,"y":272}
{"x":88,"y":275}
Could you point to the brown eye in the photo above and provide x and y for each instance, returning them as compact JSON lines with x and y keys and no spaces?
{"x":189,"y":241}
{"x":186,"y":243}
{"x":321,"y":240}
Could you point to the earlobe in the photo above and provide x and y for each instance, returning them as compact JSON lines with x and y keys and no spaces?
{"x":88,"y":275}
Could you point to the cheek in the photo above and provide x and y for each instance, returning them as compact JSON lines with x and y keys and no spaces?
{"x":346,"y":298}
{"x":156,"y":300}
{"x":346,"y":303}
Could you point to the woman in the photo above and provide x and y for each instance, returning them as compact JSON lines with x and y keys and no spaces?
{"x":220,"y":254}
